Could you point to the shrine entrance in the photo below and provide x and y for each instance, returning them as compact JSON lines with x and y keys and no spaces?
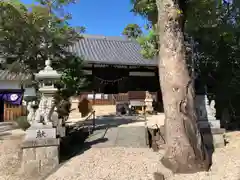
{"x":109,"y":80}
{"x":10,"y":104}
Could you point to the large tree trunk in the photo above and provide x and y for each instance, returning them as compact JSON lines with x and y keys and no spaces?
{"x":185,"y":150}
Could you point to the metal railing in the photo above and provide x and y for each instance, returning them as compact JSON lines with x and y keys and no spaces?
{"x":90,"y":126}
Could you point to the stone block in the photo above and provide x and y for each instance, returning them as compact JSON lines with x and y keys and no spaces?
{"x":218,"y":140}
{"x":39,"y":157}
{"x":40,"y":153}
{"x":48,"y":165}
{"x":41,"y":133}
{"x":29,"y":154}
{"x":213,"y":137}
{"x":209,"y":123}
{"x":213,"y":140}
{"x":213,"y":130}
{"x":40,"y":143}
{"x":51,"y":151}
{"x":30,"y":168}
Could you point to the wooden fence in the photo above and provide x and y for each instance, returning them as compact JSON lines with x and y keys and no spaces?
{"x":111,"y":99}
{"x":11,"y":112}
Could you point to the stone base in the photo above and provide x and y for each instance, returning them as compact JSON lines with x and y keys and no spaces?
{"x":213,"y":138}
{"x":214,"y":141}
{"x":39,"y":157}
{"x":209,"y":123}
{"x":41,"y":132}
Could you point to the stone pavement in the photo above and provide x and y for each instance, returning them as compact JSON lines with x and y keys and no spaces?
{"x":128,"y":131}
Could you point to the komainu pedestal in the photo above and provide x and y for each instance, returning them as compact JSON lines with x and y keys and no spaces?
{"x":213,"y":134}
{"x":39,"y":157}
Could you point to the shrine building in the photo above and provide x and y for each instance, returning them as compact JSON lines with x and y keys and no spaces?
{"x":115,"y":65}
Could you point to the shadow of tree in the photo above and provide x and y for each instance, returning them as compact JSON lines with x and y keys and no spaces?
{"x":115,"y":122}
{"x":76,"y":147}
{"x":75,"y":142}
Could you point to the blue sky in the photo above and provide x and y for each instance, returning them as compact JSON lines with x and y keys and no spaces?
{"x":102,"y":17}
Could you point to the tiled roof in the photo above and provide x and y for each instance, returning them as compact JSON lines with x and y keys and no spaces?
{"x":7,"y":75}
{"x":110,"y":50}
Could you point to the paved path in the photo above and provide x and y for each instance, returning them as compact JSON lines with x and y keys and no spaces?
{"x":118,"y":132}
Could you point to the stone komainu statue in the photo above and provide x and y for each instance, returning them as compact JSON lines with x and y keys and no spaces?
{"x":44,"y":111}
{"x":31,"y":112}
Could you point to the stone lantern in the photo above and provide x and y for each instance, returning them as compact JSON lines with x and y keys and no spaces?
{"x":40,"y":148}
{"x":47,"y":78}
{"x":44,"y":116}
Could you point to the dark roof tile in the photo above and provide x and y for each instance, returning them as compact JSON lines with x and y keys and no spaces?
{"x":7,"y":75}
{"x":110,"y":50}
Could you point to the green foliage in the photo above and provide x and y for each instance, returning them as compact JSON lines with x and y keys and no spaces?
{"x":148,"y":44}
{"x":22,"y":122}
{"x":62,"y":104}
{"x":29,"y":34}
{"x":27,"y":38}
{"x":214,"y":27}
{"x":73,"y":80}
{"x":147,"y":9}
{"x":132,"y":31}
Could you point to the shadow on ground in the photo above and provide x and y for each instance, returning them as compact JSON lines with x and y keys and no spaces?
{"x":115,"y":121}
{"x":74,"y":143}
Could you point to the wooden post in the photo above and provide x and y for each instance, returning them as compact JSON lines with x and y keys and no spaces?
{"x":94,"y":121}
{"x":94,"y":97}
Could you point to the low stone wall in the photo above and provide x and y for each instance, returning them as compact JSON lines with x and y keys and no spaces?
{"x":39,"y":157}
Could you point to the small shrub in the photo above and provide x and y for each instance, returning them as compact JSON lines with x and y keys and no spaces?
{"x":22,"y":122}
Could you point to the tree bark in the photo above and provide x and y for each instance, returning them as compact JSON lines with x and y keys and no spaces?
{"x":185,"y":150}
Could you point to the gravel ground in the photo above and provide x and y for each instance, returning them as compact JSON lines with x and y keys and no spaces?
{"x":141,"y":163}
{"x":121,"y":163}
{"x":110,"y":164}
{"x":9,"y":156}
{"x":158,"y":119}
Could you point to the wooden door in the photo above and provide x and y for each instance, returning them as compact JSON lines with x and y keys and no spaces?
{"x":12,"y":111}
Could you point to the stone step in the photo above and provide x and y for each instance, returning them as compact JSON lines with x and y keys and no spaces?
{"x":7,"y":123}
{"x":6,"y":126}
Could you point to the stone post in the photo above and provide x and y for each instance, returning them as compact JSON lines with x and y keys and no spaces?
{"x":207,"y":122}
{"x":40,"y":148}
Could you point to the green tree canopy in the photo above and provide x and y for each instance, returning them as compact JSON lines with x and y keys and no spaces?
{"x":30,"y":34}
{"x":213,"y":27}
{"x":132,"y":31}
{"x":25,"y":34}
